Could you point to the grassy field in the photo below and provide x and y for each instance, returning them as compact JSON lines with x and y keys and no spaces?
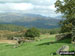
{"x":44,"y":47}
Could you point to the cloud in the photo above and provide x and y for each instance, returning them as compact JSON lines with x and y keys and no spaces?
{"x":36,"y":2}
{"x":8,"y":1}
{"x":52,"y":7}
{"x":15,"y":6}
{"x":24,"y":6}
{"x":3,"y":7}
{"x":42,"y":7}
{"x":21,"y":6}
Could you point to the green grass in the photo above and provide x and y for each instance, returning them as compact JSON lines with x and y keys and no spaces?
{"x":44,"y":47}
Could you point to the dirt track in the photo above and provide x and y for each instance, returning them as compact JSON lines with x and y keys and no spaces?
{"x":8,"y":41}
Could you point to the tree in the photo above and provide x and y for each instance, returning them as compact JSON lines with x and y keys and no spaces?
{"x":33,"y":32}
{"x":73,"y":31}
{"x":67,"y":8}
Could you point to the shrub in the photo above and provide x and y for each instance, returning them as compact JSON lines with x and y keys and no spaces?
{"x":52,"y":32}
{"x":33,"y":32}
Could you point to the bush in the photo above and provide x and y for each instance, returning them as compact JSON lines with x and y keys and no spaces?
{"x":53,"y":32}
{"x":33,"y":32}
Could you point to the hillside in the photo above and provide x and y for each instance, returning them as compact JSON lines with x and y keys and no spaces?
{"x":29,"y":20}
{"x":11,"y":27}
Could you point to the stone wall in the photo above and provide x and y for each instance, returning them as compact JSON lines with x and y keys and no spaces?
{"x":63,"y":36}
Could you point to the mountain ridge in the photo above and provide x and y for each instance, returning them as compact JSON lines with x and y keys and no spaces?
{"x":29,"y":20}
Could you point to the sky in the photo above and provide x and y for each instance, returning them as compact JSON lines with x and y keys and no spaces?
{"x":42,"y":7}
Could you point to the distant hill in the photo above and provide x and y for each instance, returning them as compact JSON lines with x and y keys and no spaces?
{"x":11,"y":27}
{"x":29,"y":20}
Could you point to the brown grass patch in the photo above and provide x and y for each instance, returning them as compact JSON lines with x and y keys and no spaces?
{"x":8,"y":41}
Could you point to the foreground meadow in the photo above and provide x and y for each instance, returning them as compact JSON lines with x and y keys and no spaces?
{"x":46,"y":46}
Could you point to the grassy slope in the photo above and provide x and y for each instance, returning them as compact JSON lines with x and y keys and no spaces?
{"x":44,"y":47}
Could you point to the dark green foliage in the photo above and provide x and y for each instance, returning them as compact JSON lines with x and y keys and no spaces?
{"x":11,"y":27}
{"x":33,"y":32}
{"x":66,"y":28}
{"x":55,"y":31}
{"x":50,"y":31}
{"x":73,"y":31}
{"x":67,"y":8}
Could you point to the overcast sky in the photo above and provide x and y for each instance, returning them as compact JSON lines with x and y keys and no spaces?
{"x":42,"y":7}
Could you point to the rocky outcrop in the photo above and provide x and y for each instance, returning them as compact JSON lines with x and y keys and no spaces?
{"x":63,"y":48}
